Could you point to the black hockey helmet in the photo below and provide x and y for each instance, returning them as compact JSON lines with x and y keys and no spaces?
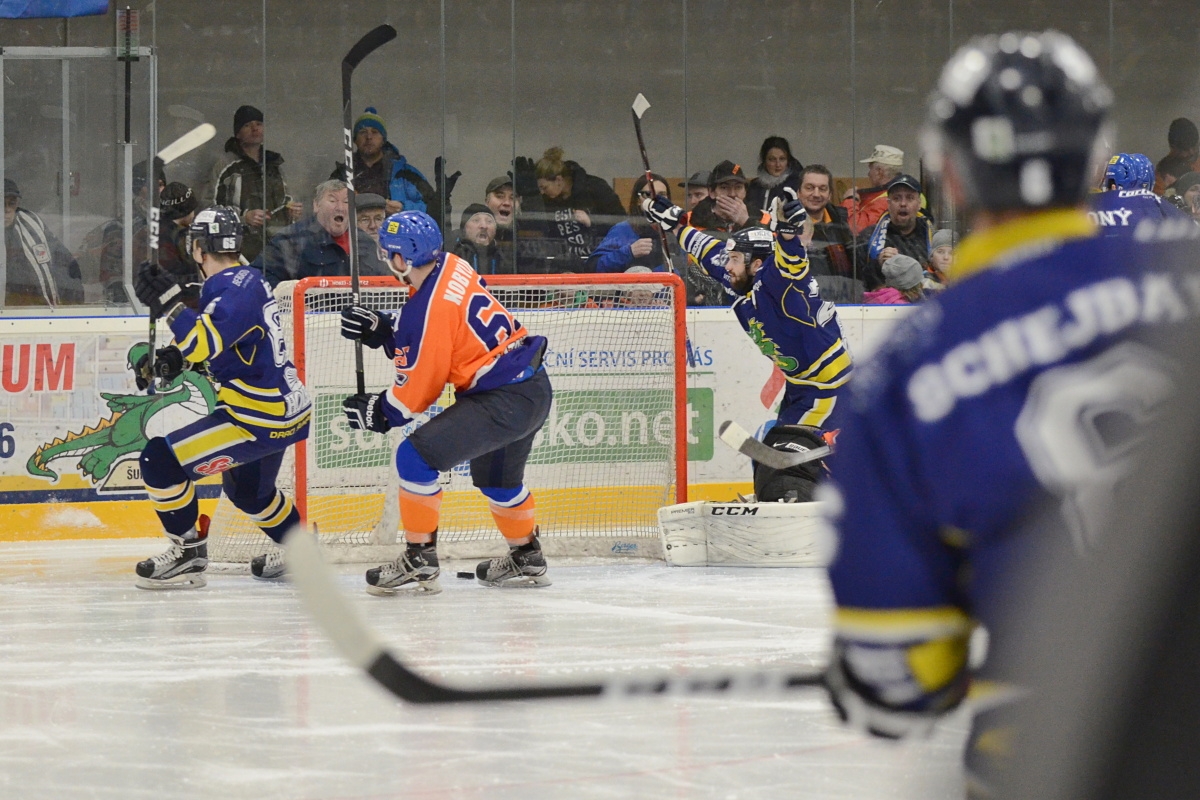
{"x":217,"y":229}
{"x":1020,"y":116}
{"x":754,"y":242}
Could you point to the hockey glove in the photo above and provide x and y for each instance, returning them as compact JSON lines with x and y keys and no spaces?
{"x":450,"y":181}
{"x":168,"y":364}
{"x":877,"y":688}
{"x":794,"y":215}
{"x":159,"y":290}
{"x":364,"y":412}
{"x":662,"y":212}
{"x":370,"y":327}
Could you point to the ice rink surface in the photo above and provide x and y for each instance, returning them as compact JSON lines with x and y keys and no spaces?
{"x":108,"y":691}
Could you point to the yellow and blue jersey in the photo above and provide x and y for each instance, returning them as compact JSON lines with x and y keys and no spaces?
{"x":238,"y":333}
{"x":1119,"y":212}
{"x":1023,"y":384}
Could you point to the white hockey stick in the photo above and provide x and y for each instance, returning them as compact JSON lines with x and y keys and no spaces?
{"x":188,"y":142}
{"x":736,"y":437}
{"x":349,"y":631}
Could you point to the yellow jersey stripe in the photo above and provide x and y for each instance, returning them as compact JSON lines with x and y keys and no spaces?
{"x":269,"y":422}
{"x":820,"y":412}
{"x":211,"y":441}
{"x":821,"y":359}
{"x":1030,"y":232}
{"x":233,"y":397}
{"x":901,"y":624}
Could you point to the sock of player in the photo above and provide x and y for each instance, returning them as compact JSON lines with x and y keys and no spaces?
{"x":420,"y":495}
{"x":513,"y":511}
{"x":171,"y":491}
{"x":277,"y":517}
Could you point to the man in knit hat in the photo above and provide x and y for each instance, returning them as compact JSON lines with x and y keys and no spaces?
{"x":237,"y":180}
{"x":476,"y":242}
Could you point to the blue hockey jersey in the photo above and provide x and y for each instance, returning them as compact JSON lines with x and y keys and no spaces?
{"x":1119,"y":212}
{"x":238,"y":333}
{"x":783,"y":313}
{"x":1025,"y":382}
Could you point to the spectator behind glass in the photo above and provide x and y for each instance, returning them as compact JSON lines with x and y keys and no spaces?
{"x":577,"y":209}
{"x":476,"y":242}
{"x":941,"y":259}
{"x":41,"y":271}
{"x":903,"y":230}
{"x":633,"y":242}
{"x":1184,"y":141}
{"x":778,"y":176}
{"x":101,"y":256}
{"x":866,"y":206}
{"x":178,"y":207}
{"x":725,"y":210}
{"x":236,"y":180}
{"x":828,"y":239}
{"x":1187,"y":188}
{"x":371,"y":212}
{"x":502,"y":201}
{"x":320,"y":244}
{"x":695,"y":189}
{"x":902,"y":278}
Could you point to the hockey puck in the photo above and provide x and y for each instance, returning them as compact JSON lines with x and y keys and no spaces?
{"x":466,"y":575}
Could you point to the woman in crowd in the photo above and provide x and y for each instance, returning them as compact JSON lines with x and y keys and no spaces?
{"x":577,"y":208}
{"x":778,"y":171}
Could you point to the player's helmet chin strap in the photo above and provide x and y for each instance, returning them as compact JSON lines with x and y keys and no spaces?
{"x":400,"y":274}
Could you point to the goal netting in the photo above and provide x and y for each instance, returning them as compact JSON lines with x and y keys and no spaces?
{"x":611,"y":453}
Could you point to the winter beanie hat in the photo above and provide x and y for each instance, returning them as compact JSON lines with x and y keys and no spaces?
{"x":370,"y":119}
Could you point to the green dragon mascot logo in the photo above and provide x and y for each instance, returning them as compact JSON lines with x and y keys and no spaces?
{"x":769,"y":349}
{"x":110,"y":440}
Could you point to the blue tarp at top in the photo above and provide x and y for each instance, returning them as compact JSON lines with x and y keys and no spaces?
{"x":31,"y":9}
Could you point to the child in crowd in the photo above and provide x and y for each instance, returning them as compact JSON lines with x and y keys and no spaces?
{"x":902,"y":279}
{"x":941,"y":256}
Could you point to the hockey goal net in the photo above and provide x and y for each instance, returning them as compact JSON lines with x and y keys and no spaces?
{"x":612,"y":452}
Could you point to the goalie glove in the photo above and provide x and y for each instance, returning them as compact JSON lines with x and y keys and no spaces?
{"x":878,"y":688}
{"x":372,"y":328}
{"x":793,"y":215}
{"x":168,"y":365}
{"x":364,"y":412}
{"x":662,"y":212}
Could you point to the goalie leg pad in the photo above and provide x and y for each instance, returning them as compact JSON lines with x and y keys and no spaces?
{"x":705,"y":533}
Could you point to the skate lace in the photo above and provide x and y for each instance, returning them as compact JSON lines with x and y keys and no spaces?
{"x":173,"y":554}
{"x":274,"y":558}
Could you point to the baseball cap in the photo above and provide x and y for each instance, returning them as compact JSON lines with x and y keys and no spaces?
{"x":904,"y":180}
{"x":892,"y":156}
{"x":10,"y":188}
{"x":698,"y":179}
{"x":497,"y":183}
{"x":726,"y":171}
{"x":369,"y":200}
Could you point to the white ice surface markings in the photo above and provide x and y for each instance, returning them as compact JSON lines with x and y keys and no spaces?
{"x":229,"y":691}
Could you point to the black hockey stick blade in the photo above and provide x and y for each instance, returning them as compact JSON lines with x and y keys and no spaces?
{"x":371,"y":41}
{"x":736,"y":437}
{"x":349,"y":631}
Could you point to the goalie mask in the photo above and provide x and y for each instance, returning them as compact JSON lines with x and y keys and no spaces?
{"x":794,"y":484}
{"x":216,"y":230}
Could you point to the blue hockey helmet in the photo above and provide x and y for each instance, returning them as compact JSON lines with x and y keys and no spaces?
{"x":217,"y":230}
{"x":412,"y":234}
{"x":1123,"y":172}
{"x":1146,"y":173}
{"x":1020,"y":117}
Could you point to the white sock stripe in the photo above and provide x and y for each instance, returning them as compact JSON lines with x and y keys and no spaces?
{"x":427,"y":489}
{"x":516,"y":501}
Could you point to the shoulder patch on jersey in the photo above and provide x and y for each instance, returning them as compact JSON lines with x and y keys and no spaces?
{"x":208,"y":309}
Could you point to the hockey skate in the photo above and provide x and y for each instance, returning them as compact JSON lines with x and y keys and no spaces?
{"x":414,"y":572}
{"x":269,"y":566}
{"x":523,"y":567}
{"x":181,"y":566}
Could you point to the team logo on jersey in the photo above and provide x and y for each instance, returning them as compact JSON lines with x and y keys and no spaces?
{"x":215,"y":466}
{"x":768,"y":348}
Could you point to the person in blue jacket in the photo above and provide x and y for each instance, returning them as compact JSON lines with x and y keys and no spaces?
{"x":633,"y":243}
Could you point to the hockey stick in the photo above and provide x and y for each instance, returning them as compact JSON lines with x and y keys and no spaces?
{"x":640,"y":106}
{"x":736,"y":437}
{"x":372,"y":41}
{"x":181,"y":146}
{"x":350,"y":633}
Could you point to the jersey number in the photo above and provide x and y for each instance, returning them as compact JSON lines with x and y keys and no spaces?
{"x":489,"y":321}
{"x":1081,"y":423}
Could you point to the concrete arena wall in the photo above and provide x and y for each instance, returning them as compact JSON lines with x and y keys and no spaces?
{"x":70,"y":429}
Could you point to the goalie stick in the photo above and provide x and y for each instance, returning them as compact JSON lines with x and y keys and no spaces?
{"x":736,"y":437}
{"x":343,"y":623}
{"x":640,"y":106}
{"x":180,"y":147}
{"x":369,"y":43}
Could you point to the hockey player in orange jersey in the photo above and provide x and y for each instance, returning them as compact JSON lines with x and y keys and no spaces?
{"x":452,"y":330}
